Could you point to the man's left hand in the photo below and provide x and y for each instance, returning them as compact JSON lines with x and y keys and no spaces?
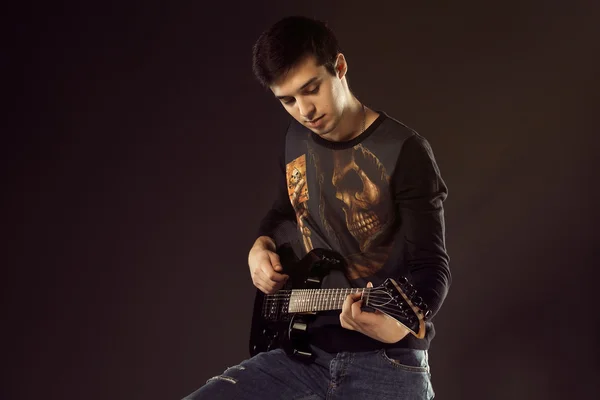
{"x":376,"y":325}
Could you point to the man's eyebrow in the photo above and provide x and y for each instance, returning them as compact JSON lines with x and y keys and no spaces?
{"x":312,"y":80}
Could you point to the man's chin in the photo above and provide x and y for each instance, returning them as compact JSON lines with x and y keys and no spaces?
{"x":321,"y":131}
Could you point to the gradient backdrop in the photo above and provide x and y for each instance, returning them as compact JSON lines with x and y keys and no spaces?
{"x":139,"y":156}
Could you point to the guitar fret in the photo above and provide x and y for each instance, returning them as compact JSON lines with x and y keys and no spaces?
{"x":320,"y":301}
{"x":314,"y":300}
{"x":333,"y":302}
{"x":319,"y":298}
{"x":306,"y":300}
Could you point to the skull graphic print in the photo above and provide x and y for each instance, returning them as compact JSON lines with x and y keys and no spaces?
{"x":361,"y":195}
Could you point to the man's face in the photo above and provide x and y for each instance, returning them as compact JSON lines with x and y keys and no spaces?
{"x":311,"y":95}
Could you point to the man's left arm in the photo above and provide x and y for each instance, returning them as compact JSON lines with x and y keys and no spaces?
{"x":419,"y":193}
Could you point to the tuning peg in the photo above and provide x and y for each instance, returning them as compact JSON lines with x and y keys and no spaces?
{"x":403,"y":280}
{"x":417,"y":301}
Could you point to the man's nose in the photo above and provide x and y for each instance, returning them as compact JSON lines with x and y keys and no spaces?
{"x":306,"y":108}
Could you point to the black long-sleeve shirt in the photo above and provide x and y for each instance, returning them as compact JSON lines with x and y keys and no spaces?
{"x":378,"y":201}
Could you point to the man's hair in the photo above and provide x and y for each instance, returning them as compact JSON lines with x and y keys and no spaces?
{"x":287,"y":42}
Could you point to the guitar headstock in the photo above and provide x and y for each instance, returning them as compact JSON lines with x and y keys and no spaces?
{"x":399,"y":300}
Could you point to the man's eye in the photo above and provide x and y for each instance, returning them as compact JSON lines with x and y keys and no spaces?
{"x":288,"y":101}
{"x":314,"y":91}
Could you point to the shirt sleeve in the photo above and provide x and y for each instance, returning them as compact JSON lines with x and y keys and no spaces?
{"x":419,"y":193}
{"x":276,"y":223}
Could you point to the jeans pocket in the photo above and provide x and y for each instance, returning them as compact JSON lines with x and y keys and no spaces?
{"x":406,"y":359}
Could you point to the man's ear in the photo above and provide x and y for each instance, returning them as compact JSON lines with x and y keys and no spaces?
{"x":341,"y":66}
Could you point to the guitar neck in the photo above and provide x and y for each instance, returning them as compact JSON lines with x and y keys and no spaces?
{"x":312,"y":300}
{"x":390,"y":298}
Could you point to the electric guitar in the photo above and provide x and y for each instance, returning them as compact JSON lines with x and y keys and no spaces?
{"x":281,"y":320}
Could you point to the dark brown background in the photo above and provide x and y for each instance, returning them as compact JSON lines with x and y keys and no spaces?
{"x":139,"y":156}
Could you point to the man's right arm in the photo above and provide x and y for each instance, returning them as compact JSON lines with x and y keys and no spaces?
{"x":281,"y":212}
{"x":264,"y":263}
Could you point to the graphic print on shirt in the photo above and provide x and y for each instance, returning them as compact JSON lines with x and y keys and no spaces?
{"x":363,"y":210}
{"x":361,"y":196}
{"x":298,"y":193}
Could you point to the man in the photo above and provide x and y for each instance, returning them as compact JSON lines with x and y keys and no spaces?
{"x":360,"y":183}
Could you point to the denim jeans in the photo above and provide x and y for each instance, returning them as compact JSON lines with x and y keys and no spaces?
{"x":382,"y":374}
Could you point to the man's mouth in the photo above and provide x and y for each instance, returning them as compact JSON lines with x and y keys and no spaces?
{"x":314,"y":121}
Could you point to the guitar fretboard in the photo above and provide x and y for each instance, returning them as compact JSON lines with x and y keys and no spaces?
{"x":309,"y":300}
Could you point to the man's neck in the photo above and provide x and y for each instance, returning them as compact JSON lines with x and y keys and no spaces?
{"x":351,"y":124}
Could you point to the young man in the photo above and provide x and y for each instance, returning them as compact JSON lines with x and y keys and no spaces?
{"x":360,"y":183}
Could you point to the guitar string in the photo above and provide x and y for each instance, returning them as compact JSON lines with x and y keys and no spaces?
{"x":286,"y":292}
{"x":392,"y":311}
{"x":334,"y":299}
{"x":324,"y":306}
{"x":309,"y":292}
{"x":321,"y":297}
{"x":304,"y":296}
{"x":377,"y":299}
{"x":331,"y":299}
{"x":325,"y":302}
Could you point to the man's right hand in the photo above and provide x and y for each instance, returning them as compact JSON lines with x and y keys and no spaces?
{"x":265,"y":266}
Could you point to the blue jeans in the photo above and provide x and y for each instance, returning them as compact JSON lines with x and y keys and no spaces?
{"x":382,"y":374}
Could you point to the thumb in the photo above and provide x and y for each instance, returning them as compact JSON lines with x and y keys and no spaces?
{"x":370,"y":284}
{"x":275,"y":262}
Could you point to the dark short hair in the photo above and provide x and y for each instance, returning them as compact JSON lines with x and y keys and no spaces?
{"x":287,"y":42}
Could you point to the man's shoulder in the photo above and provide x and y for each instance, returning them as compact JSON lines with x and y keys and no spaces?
{"x":392,"y":122}
{"x":394,"y":128}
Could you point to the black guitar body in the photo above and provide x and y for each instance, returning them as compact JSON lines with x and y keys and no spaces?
{"x":272,"y":326}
